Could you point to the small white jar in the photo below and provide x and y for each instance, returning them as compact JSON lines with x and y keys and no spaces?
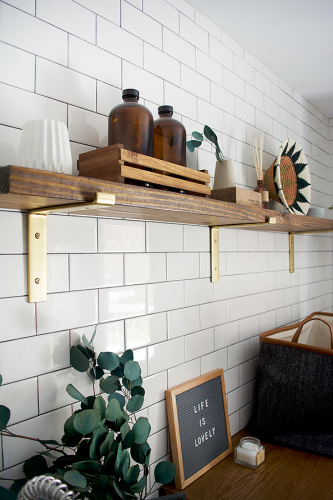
{"x":250,"y":452}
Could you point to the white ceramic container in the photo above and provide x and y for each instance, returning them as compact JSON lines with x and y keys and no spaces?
{"x":45,"y":146}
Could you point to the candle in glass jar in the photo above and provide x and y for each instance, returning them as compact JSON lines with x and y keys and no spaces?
{"x":249,"y":452}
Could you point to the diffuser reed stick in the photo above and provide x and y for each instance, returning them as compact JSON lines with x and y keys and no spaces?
{"x":256,"y":151}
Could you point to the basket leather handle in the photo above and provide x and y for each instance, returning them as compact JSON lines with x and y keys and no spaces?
{"x":299,"y":329}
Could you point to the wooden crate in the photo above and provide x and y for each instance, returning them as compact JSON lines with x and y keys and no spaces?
{"x":238,"y":195}
{"x":114,"y":163}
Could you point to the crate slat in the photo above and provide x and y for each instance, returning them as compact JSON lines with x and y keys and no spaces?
{"x":114,"y":163}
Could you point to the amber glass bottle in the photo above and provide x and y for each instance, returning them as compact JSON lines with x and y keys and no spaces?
{"x":262,"y":189}
{"x":132,"y":124}
{"x":169,"y":137}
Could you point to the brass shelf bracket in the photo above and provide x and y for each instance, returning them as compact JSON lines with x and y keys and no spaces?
{"x":37,"y":226}
{"x":292,"y":246}
{"x":214,"y":243}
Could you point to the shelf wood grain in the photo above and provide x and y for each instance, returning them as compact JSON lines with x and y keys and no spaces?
{"x":26,"y":189}
{"x":286,"y":474}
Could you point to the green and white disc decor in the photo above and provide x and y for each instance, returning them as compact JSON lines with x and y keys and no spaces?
{"x":288,"y":179}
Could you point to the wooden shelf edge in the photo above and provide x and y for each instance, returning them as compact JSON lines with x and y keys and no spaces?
{"x":26,"y":189}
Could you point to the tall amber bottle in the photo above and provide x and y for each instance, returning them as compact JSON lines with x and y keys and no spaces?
{"x":169,"y":137}
{"x":132,"y":124}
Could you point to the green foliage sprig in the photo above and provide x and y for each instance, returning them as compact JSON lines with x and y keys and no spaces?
{"x":101,"y":437}
{"x":209,"y":136}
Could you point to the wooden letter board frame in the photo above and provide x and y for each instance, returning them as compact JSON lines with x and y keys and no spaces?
{"x":182,"y":446}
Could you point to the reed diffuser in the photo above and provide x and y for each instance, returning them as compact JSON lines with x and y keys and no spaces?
{"x":257,"y":160}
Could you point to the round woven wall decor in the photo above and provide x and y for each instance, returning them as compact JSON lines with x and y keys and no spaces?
{"x":288,"y":178}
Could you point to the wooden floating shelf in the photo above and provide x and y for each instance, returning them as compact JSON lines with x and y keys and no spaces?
{"x":27,"y":189}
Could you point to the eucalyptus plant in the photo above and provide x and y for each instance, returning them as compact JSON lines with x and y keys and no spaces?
{"x":209,"y":136}
{"x":103,"y":437}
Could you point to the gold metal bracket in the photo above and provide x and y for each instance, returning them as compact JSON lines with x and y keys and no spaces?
{"x":214,"y":243}
{"x":292,"y":246}
{"x":37,"y":226}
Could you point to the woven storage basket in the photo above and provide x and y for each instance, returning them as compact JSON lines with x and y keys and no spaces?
{"x":295,"y":385}
{"x":288,"y":178}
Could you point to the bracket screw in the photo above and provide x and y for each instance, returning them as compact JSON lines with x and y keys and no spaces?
{"x":37,"y":281}
{"x":215,"y":268}
{"x":37,"y":236}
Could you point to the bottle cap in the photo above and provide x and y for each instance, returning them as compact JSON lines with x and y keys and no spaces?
{"x":165,"y":109}
{"x":130,"y":93}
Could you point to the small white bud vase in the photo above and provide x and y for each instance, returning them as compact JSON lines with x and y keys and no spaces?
{"x":224,"y":175}
{"x":45,"y":146}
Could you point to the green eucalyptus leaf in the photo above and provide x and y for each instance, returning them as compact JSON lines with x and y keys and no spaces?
{"x":107,"y":385}
{"x":87,"y":421}
{"x":137,"y":390}
{"x":107,"y":443}
{"x":83,"y":449}
{"x":99,"y":372}
{"x":125,"y":468}
{"x":4,"y":417}
{"x":0,"y":379}
{"x":117,"y":490}
{"x":93,"y":335}
{"x":135,"y":403}
{"x":6,"y":494}
{"x":122,"y":418}
{"x":132,"y":475}
{"x":78,"y":360}
{"x":83,"y":350}
{"x":113,"y":410}
{"x":71,"y":438}
{"x":75,"y":394}
{"x":130,"y":384}
{"x":49,"y":441}
{"x":75,"y":478}
{"x":139,"y":452}
{"x":119,"y":372}
{"x":69,"y":423}
{"x":191,"y":145}
{"x":120,"y":397}
{"x":139,"y":486}
{"x":118,"y":459}
{"x":108,"y":361}
{"x":124,"y":429}
{"x":136,"y":383}
{"x":90,"y":405}
{"x":132,"y":370}
{"x":35,"y":466}
{"x":165,"y":472}
{"x":96,"y":442}
{"x":109,"y":462}
{"x":87,"y":343}
{"x":198,"y":136}
{"x":92,"y":466}
{"x":210,"y":135}
{"x":127,"y":356}
{"x":141,"y":430}
{"x":100,"y":406}
{"x":129,"y":440}
{"x":16,"y":486}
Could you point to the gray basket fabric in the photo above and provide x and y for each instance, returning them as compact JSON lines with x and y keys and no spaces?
{"x":295,"y":398}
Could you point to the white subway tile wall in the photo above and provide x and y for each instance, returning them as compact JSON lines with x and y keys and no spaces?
{"x":147,"y":284}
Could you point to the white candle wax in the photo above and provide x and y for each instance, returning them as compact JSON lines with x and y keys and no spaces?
{"x":247,"y":451}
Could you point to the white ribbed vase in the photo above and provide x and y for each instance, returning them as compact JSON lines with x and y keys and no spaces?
{"x":45,"y":145}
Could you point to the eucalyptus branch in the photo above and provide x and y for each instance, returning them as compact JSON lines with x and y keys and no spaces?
{"x":10,"y":434}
